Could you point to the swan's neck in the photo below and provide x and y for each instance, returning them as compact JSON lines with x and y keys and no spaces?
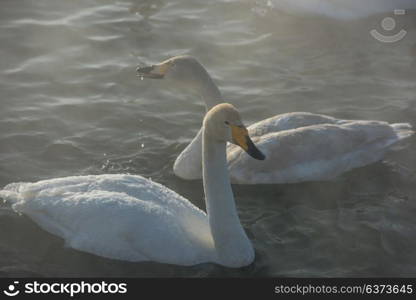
{"x":231,"y":243}
{"x":209,"y":91}
{"x":188,"y":165}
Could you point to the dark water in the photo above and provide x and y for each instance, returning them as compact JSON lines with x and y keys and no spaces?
{"x":70,"y":104}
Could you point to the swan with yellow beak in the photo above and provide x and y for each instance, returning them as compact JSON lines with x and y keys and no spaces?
{"x":129,"y":217}
{"x":300,"y":146}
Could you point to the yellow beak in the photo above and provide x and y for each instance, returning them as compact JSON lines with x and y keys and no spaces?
{"x":242,"y":139}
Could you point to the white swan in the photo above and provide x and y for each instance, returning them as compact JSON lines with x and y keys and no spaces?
{"x":300,"y":146}
{"x":130,"y":218}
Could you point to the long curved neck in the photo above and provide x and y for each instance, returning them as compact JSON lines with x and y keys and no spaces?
{"x":231,"y":243}
{"x":208,"y":90}
{"x":188,"y":164}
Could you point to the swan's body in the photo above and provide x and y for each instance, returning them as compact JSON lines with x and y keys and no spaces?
{"x":114,"y":215}
{"x":300,"y":146}
{"x":131,"y":218}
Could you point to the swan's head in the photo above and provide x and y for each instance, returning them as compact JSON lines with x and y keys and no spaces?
{"x":184,"y":70}
{"x":223,"y":123}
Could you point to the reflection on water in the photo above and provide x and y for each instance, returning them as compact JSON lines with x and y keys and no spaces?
{"x":71,"y":104}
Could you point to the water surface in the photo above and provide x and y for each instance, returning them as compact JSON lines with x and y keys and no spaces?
{"x":71,"y":104}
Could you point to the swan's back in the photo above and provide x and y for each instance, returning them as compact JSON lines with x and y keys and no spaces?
{"x":117,"y":216}
{"x":289,"y":121}
{"x":317,"y":152}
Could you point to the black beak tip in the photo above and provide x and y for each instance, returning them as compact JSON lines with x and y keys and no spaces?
{"x":254,"y":152}
{"x":257,"y":154}
{"x":261,"y":156}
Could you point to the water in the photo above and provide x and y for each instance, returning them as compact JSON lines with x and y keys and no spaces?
{"x":71,"y":104}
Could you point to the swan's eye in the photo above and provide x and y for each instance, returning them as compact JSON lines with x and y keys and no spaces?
{"x":227,"y":123}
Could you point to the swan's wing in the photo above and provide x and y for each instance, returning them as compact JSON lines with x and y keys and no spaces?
{"x":117,"y":216}
{"x":318,"y":152}
{"x":289,"y":121}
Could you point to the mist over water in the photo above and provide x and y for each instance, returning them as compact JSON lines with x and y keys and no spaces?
{"x":71,"y":104}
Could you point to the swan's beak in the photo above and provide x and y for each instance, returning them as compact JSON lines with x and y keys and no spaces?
{"x":157,"y":71}
{"x":242,"y":139}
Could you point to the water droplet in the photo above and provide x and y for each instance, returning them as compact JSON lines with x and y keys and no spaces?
{"x":141,"y":77}
{"x":142,"y":146}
